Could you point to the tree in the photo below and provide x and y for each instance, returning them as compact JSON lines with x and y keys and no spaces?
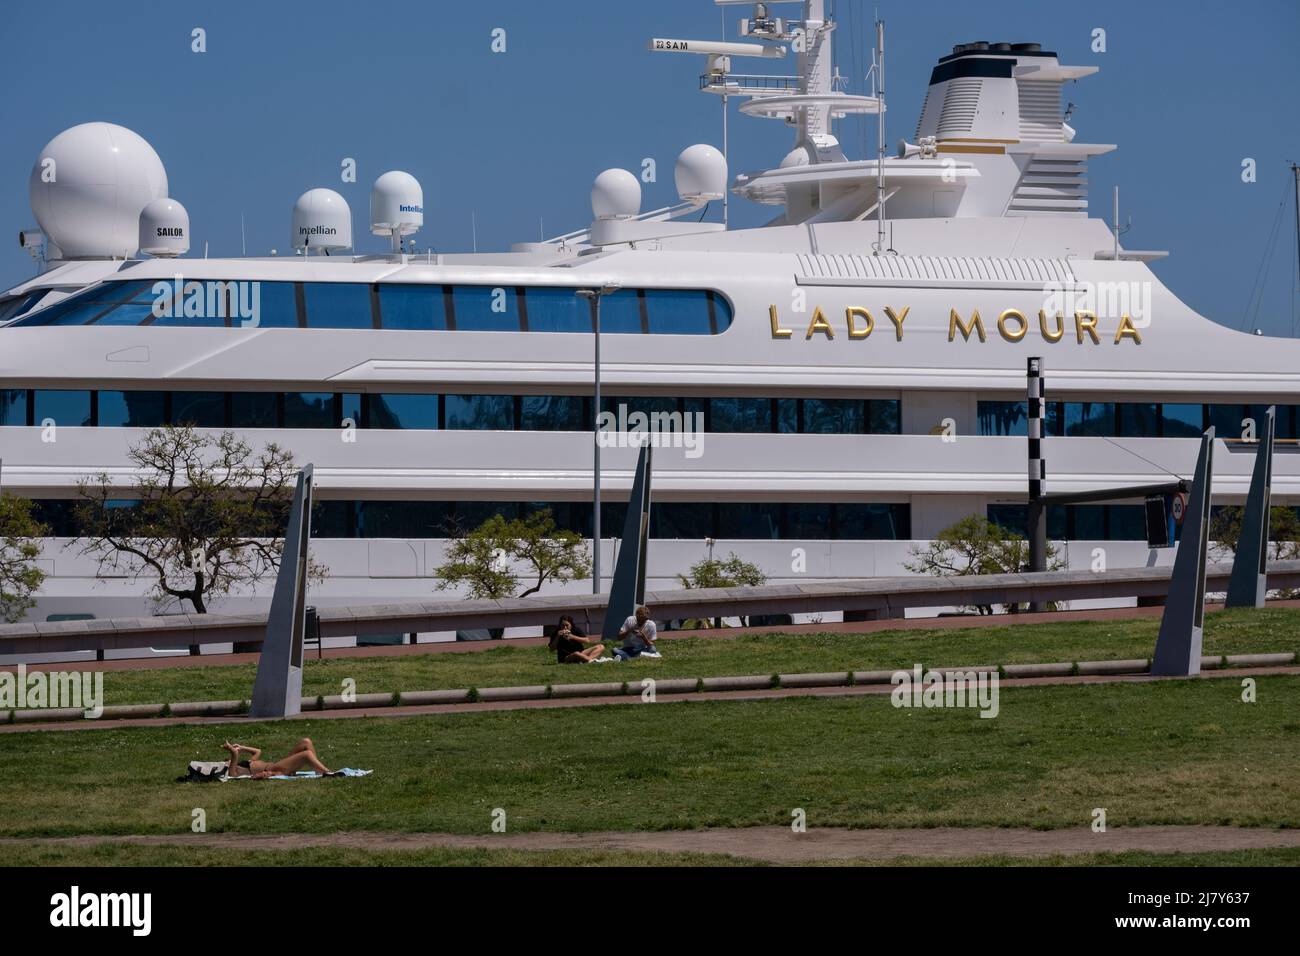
{"x":20,"y":576}
{"x":486,"y":558}
{"x":1283,"y":535}
{"x":975,"y":545}
{"x":209,"y":521}
{"x":731,"y":573}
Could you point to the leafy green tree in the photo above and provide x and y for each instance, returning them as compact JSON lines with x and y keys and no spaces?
{"x":729,"y":573}
{"x":975,"y":545}
{"x":209,"y":521}
{"x":1283,"y":536}
{"x":488,"y":559}
{"x":20,"y":576}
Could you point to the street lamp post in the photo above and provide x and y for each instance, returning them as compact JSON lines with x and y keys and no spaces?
{"x":594,"y":296}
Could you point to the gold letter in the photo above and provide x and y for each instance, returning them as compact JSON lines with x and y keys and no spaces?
{"x":856,"y":333}
{"x":1018,"y":316}
{"x":819,"y":324}
{"x":1127,"y":330}
{"x":1086,"y":322}
{"x":776,"y":332}
{"x":954,"y":323}
{"x":898,"y":321}
{"x":1042,"y":324}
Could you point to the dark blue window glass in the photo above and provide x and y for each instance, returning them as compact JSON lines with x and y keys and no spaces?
{"x":86,"y":305}
{"x":132,"y":409}
{"x":560,"y":309}
{"x":834,"y":416}
{"x":621,"y":312}
{"x":1014,"y":518}
{"x":572,"y":516}
{"x":412,"y":307}
{"x":18,"y":304}
{"x":485,"y":308}
{"x":351,"y":409}
{"x":808,"y":520}
{"x":1003,"y":418}
{"x":873,"y":522}
{"x":740,"y":415}
{"x":1182,"y":421}
{"x":1089,"y":522}
{"x":337,"y":305}
{"x":200,"y":409}
{"x":1227,"y":420}
{"x":487,"y":412}
{"x":1085,"y":419}
{"x":468,"y":515}
{"x":64,"y":408}
{"x":274,"y":304}
{"x":1138,"y":420}
{"x":886,"y":418}
{"x":333,"y":519}
{"x":1127,"y":523}
{"x":678,"y":312}
{"x":211,"y":304}
{"x":400,"y":519}
{"x":254,"y":410}
{"x":680,"y":520}
{"x":563,"y":413}
{"x":787,"y":415}
{"x":756,"y":520}
{"x":309,"y":410}
{"x":13,"y":406}
{"x":399,"y":410}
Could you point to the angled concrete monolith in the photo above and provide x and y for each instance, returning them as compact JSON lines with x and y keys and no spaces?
{"x":1178,"y":646}
{"x":628,"y":588}
{"x":1249,"y":582}
{"x":277,"y":690}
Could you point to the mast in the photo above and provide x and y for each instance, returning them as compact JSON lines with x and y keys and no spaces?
{"x":880,"y":138}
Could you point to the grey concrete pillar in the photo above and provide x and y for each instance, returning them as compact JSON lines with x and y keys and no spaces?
{"x":1249,"y":582}
{"x":1178,"y":646}
{"x":277,"y":690}
{"x":628,"y":587}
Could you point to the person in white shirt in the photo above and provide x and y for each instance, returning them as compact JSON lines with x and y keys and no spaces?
{"x":638,"y":633}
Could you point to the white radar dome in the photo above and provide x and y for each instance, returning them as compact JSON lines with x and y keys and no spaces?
{"x":700,"y":174}
{"x":88,"y":186}
{"x":164,"y":229}
{"x":616,"y":194}
{"x":396,"y":202}
{"x":322,"y":220}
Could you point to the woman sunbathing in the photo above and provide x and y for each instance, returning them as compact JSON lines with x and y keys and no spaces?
{"x":302,"y":757}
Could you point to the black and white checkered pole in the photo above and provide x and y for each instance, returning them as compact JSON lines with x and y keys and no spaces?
{"x":1037,"y":530}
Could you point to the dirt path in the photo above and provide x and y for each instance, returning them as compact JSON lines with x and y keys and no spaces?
{"x":768,"y":844}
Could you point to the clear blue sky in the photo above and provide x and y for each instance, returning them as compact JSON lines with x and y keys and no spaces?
{"x":286,"y":91}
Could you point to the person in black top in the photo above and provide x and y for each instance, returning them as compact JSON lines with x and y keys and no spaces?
{"x":571,"y":645}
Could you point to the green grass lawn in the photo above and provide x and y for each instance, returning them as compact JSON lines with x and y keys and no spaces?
{"x":175,"y":855}
{"x":1186,"y":752}
{"x":1226,"y":632}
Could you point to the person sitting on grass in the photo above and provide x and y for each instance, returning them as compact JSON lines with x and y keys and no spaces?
{"x":638,"y":633}
{"x":302,"y":757}
{"x":571,"y":646}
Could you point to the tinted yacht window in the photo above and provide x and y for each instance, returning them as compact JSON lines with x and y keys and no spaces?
{"x":63,"y":408}
{"x":337,"y":305}
{"x":413,"y":307}
{"x":485,"y":308}
{"x":132,"y":409}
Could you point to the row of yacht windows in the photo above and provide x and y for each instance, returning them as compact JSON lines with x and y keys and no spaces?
{"x":813,"y":520}
{"x":1086,"y":522}
{"x":411,"y":307}
{"x":147,"y":409}
{"x":1134,"y":419}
